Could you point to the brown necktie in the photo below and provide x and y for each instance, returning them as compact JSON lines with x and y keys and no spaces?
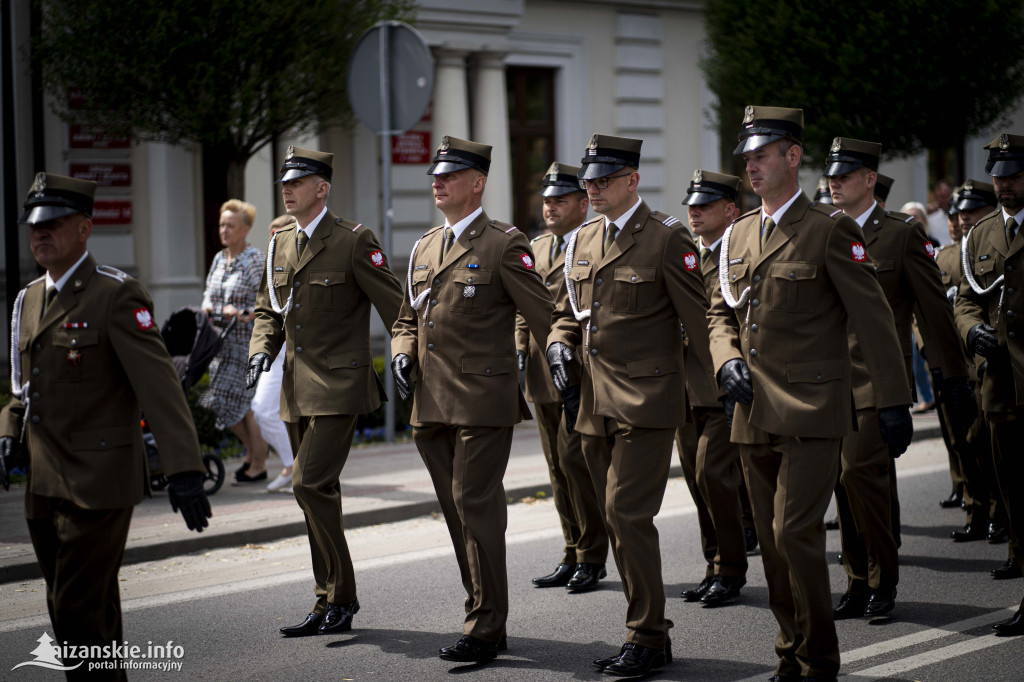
{"x":449,"y":238}
{"x":1011,"y":230}
{"x":609,"y":238}
{"x":51,"y":296}
{"x":769,"y":225}
{"x":301,"y":243}
{"x":557,"y":249}
{"x":705,"y":253}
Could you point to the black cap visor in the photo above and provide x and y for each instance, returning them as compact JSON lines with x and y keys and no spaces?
{"x":447,"y":166}
{"x":599,"y":169}
{"x":46,"y":213}
{"x":559,"y":190}
{"x":971,"y":203}
{"x":1004,"y":167}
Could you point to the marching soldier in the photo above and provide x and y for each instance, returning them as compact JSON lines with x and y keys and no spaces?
{"x":323,"y":274}
{"x":904,"y":261}
{"x":586,"y":540}
{"x":712,"y":469}
{"x":454,"y":351}
{"x":632,"y":275}
{"x":794,"y":278}
{"x":89,"y":360}
{"x":987,"y":311}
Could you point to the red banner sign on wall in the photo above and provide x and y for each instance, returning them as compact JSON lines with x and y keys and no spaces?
{"x":411,"y":147}
{"x":105,"y":174}
{"x":112,"y":212}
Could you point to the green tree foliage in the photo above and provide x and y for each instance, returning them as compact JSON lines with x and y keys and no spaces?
{"x":911,"y":74}
{"x":227,"y":74}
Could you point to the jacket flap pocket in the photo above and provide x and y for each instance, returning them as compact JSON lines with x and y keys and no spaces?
{"x":737,"y":271}
{"x":653,"y":367}
{"x":488,"y":366}
{"x":327,"y":278}
{"x":884,"y":264}
{"x":471,"y":276}
{"x":75,"y":338}
{"x":419,"y":276}
{"x":632,"y":274}
{"x":579,"y":272}
{"x":349,"y":360}
{"x":793,"y":270}
{"x":282,"y":279}
{"x":103,"y":439}
{"x":815,"y":372}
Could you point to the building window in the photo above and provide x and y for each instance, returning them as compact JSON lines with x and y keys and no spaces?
{"x":531,"y":127}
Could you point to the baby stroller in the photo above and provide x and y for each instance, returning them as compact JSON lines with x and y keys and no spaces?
{"x":193,"y":341}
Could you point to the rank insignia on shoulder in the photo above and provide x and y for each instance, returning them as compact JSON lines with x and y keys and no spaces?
{"x":144,"y":319}
{"x":735,"y":261}
{"x":356,"y":227}
{"x":527,"y":261}
{"x":857,"y":252}
{"x":113,"y":273}
{"x":582,"y":262}
{"x":377,"y":258}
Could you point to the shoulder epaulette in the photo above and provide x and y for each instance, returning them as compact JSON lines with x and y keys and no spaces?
{"x":903,"y":217}
{"x":593,"y":220}
{"x":748,"y":213}
{"x":826,"y":209}
{"x":504,"y":227}
{"x":112,"y":273}
{"x":665,"y":218}
{"x":37,"y":280}
{"x":541,"y":236}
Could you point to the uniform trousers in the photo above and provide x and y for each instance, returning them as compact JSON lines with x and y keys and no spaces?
{"x":790,"y":483}
{"x":688,"y":442}
{"x":629,"y":466}
{"x":586,"y":540}
{"x":870,"y":556}
{"x":720,"y":481}
{"x":79,"y":552}
{"x":467,"y":465}
{"x":321,"y":445}
{"x":956,"y":475}
{"x":1007,"y":430}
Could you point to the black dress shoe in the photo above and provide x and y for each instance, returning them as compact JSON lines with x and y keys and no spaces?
{"x":832,"y":524}
{"x":882,"y":602}
{"x":972,"y":531}
{"x":603,"y":663}
{"x":784,"y":678}
{"x":997,"y":534}
{"x":954,"y":500}
{"x":310,"y":626}
{"x":469,"y":649}
{"x":586,"y":577}
{"x":750,"y":538}
{"x":697,"y":592}
{"x":339,"y":617}
{"x":561,"y":575}
{"x":639,"y":661}
{"x":1013,"y":627}
{"x":723,"y":590}
{"x":1008,"y":571}
{"x":851,"y":605}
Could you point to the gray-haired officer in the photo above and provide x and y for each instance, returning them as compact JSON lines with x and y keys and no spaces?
{"x":323,"y":275}
{"x":712,"y":469}
{"x":794,"y":279}
{"x":581,"y":517}
{"x":989,"y":312}
{"x":632,"y":276}
{"x":89,"y":359}
{"x":904,"y":258}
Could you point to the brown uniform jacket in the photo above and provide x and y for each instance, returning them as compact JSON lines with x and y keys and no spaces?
{"x":638,"y":293}
{"x":1003,"y":387}
{"x":701,"y":387}
{"x":812,"y":278}
{"x":328,"y":366}
{"x":540,"y":388}
{"x":94,"y":363}
{"x":462,"y":338}
{"x":899,"y":247}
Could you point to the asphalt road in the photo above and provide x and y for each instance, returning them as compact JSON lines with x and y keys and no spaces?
{"x":223,"y":607}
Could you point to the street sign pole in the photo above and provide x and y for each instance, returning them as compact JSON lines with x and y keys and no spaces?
{"x":385,"y":187}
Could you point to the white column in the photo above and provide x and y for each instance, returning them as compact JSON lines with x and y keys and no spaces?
{"x":490,"y":126}
{"x":174,"y":278}
{"x":451,"y":103}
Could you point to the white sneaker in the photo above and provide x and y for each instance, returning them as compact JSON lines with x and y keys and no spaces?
{"x":280,"y":482}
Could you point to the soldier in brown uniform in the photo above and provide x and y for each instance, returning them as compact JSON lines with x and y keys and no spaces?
{"x":883,"y":184}
{"x":586,"y":540}
{"x":454,"y":351}
{"x":633,"y":275}
{"x":904,"y":261}
{"x":89,"y":359}
{"x":989,"y":307}
{"x":793,"y":276}
{"x":712,"y":469}
{"x":323,"y":274}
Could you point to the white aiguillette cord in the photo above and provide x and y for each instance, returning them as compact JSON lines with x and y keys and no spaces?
{"x":580,"y":315}
{"x":416,"y":301}
{"x":275,"y":303}
{"x":723,"y":278}
{"x":965,"y":265}
{"x":19,"y":390}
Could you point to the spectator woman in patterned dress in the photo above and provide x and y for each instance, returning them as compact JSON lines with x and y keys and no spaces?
{"x":231,"y":294}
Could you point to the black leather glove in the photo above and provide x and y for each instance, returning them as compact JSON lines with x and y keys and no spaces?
{"x":571,"y":406}
{"x":981,"y":340}
{"x":258,"y":363}
{"x":729,"y":405}
{"x":401,"y":368}
{"x":185,"y":490}
{"x":559,"y":356}
{"x":734,"y":378}
{"x":521,"y":359}
{"x":960,"y":404}
{"x":897,"y":427}
{"x":8,"y":451}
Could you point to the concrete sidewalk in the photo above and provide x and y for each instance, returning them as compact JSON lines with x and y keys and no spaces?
{"x":380,"y":484}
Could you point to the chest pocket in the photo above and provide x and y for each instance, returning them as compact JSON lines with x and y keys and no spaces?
{"x":419,"y":277}
{"x":283,"y":285}
{"x":792,"y":286}
{"x":885,"y":270}
{"x":325,"y":293}
{"x":78,"y":353}
{"x":471,"y":290}
{"x":634,"y":288}
{"x":738,"y":278}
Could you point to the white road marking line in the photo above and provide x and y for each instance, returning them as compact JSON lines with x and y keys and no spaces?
{"x":894,"y":668}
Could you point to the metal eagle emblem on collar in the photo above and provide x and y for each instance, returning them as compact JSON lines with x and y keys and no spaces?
{"x":39,"y":184}
{"x":697,"y":176}
{"x":1004,"y":141}
{"x":748,"y":114}
{"x":837,"y":145}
